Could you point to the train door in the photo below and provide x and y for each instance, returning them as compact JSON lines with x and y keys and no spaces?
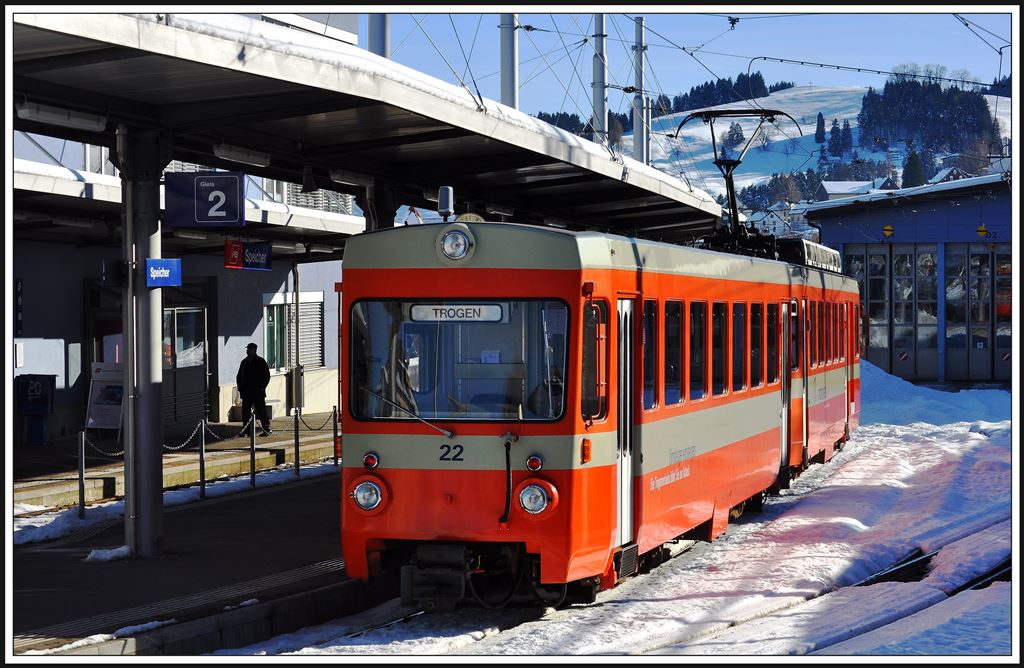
{"x":847,"y":356}
{"x":626,"y":430}
{"x":800,"y":362}
{"x":787,"y":378}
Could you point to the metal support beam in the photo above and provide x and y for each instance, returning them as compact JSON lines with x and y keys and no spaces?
{"x":640,"y":141}
{"x":378,"y":38}
{"x":600,"y":84}
{"x":141,"y":157}
{"x":510,"y":60}
{"x":379,"y":204}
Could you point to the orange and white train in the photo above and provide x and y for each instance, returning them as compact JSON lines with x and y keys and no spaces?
{"x":534,"y":413}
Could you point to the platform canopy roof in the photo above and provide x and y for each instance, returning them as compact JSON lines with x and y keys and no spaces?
{"x":344,"y":116}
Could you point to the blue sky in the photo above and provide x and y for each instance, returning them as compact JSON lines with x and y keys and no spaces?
{"x":555,"y":69}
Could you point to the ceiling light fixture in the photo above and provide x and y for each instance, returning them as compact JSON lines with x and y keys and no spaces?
{"x":73,"y":222}
{"x":242,"y":155}
{"x":67,"y":118}
{"x":351,"y":178}
{"x":190,"y":234}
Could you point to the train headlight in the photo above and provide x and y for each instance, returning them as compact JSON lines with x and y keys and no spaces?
{"x":367,"y":495}
{"x":533,"y":499}
{"x":455,"y":244}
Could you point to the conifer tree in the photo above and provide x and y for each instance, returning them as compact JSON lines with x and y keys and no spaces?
{"x":913,"y":171}
{"x":819,"y":131}
{"x":835,"y":140}
{"x":847,"y":136}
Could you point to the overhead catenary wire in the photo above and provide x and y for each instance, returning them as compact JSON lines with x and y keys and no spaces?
{"x":479,"y":101}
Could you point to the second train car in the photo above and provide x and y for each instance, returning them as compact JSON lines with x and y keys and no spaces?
{"x":533,"y":413}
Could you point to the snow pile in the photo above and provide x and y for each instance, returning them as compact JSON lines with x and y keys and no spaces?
{"x":972,"y":623}
{"x":892,"y":400}
{"x":104,"y":637}
{"x":123,"y":552}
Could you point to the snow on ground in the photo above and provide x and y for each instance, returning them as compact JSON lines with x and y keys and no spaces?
{"x":59,"y":523}
{"x":779,"y":582}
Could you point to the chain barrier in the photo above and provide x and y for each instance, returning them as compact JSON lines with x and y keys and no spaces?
{"x":101,"y":451}
{"x":187,"y":440}
{"x":329,"y":417}
{"x":245,"y":427}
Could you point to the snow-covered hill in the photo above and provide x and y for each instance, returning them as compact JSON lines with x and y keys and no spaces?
{"x":690,"y":156}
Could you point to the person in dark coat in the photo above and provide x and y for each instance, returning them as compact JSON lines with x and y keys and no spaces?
{"x":252,"y":380}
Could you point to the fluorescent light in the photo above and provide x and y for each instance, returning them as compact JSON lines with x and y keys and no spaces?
{"x":320,"y":248}
{"x":190,"y":234}
{"x":242,"y":155}
{"x":73,"y":222}
{"x":351,"y":178}
{"x":285,"y":246}
{"x":78,"y":120}
{"x":499,"y":210}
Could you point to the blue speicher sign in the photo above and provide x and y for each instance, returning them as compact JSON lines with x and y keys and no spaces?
{"x":204,"y":199}
{"x":163,"y":273}
{"x":256,"y":256}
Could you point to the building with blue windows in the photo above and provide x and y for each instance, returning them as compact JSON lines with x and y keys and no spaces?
{"x":934,"y":265}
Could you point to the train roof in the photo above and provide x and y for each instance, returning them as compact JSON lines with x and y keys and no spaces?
{"x":519,"y":246}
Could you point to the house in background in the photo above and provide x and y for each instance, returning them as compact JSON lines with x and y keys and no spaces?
{"x":949,"y":174}
{"x":830,"y":190}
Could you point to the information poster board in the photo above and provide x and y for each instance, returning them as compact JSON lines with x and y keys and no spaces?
{"x":106,"y":396}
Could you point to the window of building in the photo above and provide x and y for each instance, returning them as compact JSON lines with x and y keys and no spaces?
{"x":719,"y":348}
{"x":281,"y":345}
{"x":674,"y":352}
{"x":927,"y":311}
{"x":698,"y":350}
{"x":756,"y":342}
{"x":650,"y":353}
{"x":739,"y":347}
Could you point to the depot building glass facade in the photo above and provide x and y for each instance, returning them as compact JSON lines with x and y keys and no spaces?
{"x":937,"y":284}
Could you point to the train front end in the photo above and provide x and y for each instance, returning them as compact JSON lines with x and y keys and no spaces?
{"x":460,"y":449}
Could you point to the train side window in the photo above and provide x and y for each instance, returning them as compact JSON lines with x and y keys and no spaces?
{"x":821,"y":333}
{"x":826,"y":330}
{"x":674,"y":352}
{"x":834,"y":310}
{"x":795,"y":332}
{"x":719,"y":348}
{"x":594,"y":394}
{"x":650,"y":353}
{"x":698,"y":350}
{"x":756,"y":343}
{"x":812,"y":333}
{"x":773,"y":343}
{"x":843,"y":332}
{"x":739,"y":347}
{"x":832,"y":353}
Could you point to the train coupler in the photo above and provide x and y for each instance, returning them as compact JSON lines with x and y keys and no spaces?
{"x":436,"y":579}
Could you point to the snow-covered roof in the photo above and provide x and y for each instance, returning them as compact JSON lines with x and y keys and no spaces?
{"x":938,"y":178}
{"x":880,"y":195}
{"x":846,"y":187}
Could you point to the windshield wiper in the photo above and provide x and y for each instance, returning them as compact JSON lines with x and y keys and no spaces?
{"x":446,"y":432}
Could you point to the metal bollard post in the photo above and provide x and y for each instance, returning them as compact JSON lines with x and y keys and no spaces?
{"x":81,"y":475}
{"x":202,"y":461}
{"x":252,"y":447}
{"x":336,"y":444}
{"x":296,"y":423}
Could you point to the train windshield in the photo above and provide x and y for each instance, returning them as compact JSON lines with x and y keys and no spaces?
{"x":458,"y":360}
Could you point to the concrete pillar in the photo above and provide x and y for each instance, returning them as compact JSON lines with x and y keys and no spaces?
{"x":509,"y":60}
{"x":142,"y":157}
